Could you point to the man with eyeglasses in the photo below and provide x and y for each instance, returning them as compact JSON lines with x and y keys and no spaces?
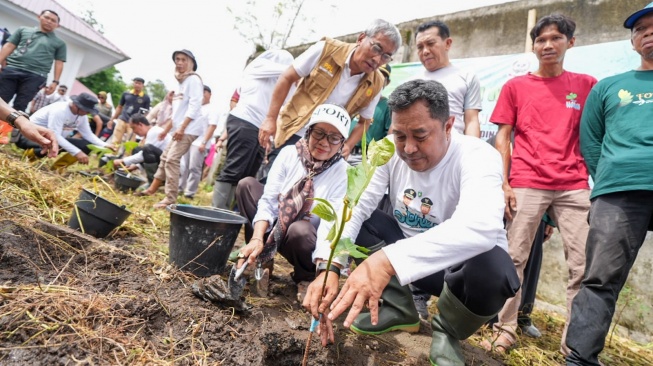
{"x":433,"y":42}
{"x":27,"y":58}
{"x":331,"y":72}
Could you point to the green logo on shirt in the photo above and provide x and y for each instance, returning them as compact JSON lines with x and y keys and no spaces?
{"x":571,"y":101}
{"x":625,"y":97}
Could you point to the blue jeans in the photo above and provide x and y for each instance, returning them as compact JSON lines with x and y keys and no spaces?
{"x":23,"y":84}
{"x":618,"y":225}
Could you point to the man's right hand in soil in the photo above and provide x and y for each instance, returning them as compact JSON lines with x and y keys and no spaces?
{"x":268,"y":128}
{"x":313,"y":305}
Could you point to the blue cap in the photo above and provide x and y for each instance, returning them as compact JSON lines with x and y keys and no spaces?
{"x":634,"y":17}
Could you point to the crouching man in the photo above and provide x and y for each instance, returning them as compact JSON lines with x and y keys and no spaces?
{"x":63,"y":119}
{"x":446,"y":235}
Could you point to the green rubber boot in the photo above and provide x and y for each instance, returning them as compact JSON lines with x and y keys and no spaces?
{"x":453,"y":323}
{"x":397,"y":312}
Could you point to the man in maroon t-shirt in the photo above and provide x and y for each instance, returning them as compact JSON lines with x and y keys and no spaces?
{"x":545,"y":171}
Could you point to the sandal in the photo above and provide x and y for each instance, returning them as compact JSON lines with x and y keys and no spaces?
{"x":500,"y":343}
{"x":162,"y":204}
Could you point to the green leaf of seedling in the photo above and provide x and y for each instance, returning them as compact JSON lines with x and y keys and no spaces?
{"x":332,"y":233}
{"x":346,"y":246}
{"x":324,"y":212}
{"x":324,"y":208}
{"x":356,"y":183}
{"x":129,"y":146}
{"x":380,"y":152}
{"x":100,"y":151}
{"x":108,"y":167}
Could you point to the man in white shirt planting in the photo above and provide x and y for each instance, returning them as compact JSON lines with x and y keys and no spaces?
{"x":447,"y":238}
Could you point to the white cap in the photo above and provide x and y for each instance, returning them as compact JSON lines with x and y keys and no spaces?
{"x":333,"y":115}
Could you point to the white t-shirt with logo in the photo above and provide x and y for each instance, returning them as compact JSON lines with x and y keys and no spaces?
{"x":448,"y":214}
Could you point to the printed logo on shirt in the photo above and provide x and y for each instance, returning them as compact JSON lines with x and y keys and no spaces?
{"x":627,"y":97}
{"x":419,"y":218}
{"x":327,"y":67}
{"x":368,"y":92}
{"x":571,"y":101}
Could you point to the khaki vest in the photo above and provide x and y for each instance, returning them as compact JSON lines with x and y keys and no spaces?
{"x":318,"y":85}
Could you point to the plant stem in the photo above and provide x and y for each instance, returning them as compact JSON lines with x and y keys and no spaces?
{"x":339,"y":228}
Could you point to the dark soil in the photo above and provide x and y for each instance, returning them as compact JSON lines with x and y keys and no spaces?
{"x":79,"y":300}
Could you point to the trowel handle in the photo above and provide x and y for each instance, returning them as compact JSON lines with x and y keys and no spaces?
{"x":240,"y":271}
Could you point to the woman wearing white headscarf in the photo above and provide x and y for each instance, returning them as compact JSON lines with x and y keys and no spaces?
{"x":244,"y":154}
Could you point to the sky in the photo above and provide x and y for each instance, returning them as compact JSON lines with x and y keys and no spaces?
{"x":148,"y":31}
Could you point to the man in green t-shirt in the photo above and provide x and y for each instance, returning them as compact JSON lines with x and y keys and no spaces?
{"x":27,"y":58}
{"x":615,"y":140}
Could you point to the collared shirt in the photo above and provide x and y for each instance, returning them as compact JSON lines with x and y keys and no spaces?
{"x":132,"y":103}
{"x":35,"y":51}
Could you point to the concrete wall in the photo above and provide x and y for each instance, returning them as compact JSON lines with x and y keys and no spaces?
{"x":502,"y":29}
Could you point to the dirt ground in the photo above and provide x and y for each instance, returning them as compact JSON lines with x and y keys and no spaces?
{"x":106,"y":303}
{"x":67,"y":298}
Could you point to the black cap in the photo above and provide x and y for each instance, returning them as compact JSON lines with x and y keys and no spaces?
{"x":187,"y":53}
{"x":634,"y":17}
{"x":206,"y":88}
{"x":85,"y":102}
{"x":139,"y":79}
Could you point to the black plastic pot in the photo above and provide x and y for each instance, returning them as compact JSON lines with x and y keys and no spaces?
{"x":125,"y":182}
{"x":201,"y":238}
{"x":97,"y":215}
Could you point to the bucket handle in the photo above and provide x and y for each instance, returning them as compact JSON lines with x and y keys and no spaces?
{"x":173,"y":208}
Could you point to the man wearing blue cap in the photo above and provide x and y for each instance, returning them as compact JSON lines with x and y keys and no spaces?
{"x":615,"y":135}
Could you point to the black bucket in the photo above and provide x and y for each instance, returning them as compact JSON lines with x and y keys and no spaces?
{"x":125,"y":182}
{"x":97,"y":215}
{"x":201,"y":238}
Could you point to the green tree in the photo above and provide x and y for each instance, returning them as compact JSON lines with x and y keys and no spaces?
{"x":157,"y":91}
{"x":109,"y":80}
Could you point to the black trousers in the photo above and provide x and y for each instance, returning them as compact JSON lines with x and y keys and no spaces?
{"x":23,"y":143}
{"x":618,"y":225}
{"x":22,"y":84}
{"x":482,"y":283}
{"x":244,"y":154}
{"x":275,"y":152}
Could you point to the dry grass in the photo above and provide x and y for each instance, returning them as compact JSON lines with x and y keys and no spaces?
{"x":55,"y":314}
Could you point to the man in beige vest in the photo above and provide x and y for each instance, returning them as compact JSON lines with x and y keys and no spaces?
{"x":334,"y":72}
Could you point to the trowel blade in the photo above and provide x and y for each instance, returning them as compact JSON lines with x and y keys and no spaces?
{"x":237,"y":281}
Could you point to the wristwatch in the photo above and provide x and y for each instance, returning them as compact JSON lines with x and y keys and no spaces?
{"x":322,"y":266}
{"x":11,"y":118}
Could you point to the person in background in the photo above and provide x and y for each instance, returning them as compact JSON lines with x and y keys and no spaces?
{"x":149,"y":154}
{"x":543,"y":171}
{"x":45,"y":138}
{"x":26,"y":60}
{"x":615,"y":140}
{"x":63,"y":119}
{"x":186,"y":109}
{"x":244,"y":153}
{"x":131,"y":102}
{"x":381,"y":122}
{"x":433,"y":42}
{"x":193,"y":161}
{"x":59,"y":96}
{"x":105,"y":111}
{"x":40,"y":100}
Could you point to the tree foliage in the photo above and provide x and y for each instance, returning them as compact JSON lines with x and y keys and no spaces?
{"x":109,"y":80}
{"x":156,"y":90}
{"x":270,"y":25}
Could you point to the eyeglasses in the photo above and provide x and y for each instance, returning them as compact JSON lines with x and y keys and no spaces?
{"x":333,"y":139}
{"x":377,"y":50}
